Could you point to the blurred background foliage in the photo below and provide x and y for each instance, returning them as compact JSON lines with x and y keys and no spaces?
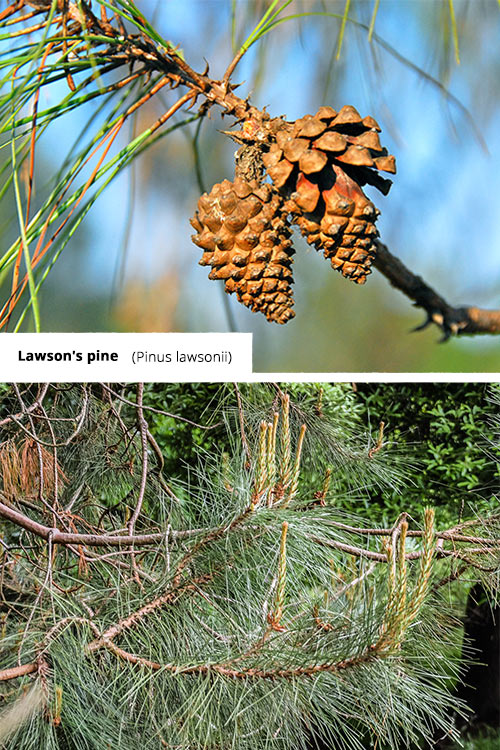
{"x":131,"y":264}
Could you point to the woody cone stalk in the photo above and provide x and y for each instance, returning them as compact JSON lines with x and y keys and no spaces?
{"x":318,"y":166}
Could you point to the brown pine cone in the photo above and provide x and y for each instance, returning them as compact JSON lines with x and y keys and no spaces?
{"x":244,"y":233}
{"x":319,"y":164}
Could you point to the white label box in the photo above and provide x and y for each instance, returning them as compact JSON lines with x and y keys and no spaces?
{"x":129,"y":357}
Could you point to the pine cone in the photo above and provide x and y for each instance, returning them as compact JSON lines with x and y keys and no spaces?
{"x":245,"y":235}
{"x":319,"y":164}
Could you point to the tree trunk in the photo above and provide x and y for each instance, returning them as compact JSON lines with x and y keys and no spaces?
{"x":481,"y":681}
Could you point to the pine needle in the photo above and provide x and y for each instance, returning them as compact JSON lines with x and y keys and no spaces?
{"x":373,"y":18}
{"x":342,"y":28}
{"x":454,"y":30}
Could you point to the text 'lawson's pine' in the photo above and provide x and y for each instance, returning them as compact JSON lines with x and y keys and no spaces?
{"x":72,"y":356}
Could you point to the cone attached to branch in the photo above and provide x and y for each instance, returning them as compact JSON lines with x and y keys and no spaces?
{"x":243,"y":230}
{"x":319,"y":164}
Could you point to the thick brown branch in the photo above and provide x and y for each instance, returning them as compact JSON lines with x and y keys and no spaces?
{"x":382,"y":557}
{"x":103,"y":540}
{"x":452,"y":320}
{"x":20,"y":671}
{"x":91,"y":540}
{"x":286,"y":673}
{"x":167,"y":597}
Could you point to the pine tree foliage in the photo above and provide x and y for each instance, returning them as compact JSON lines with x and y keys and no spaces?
{"x":239,"y":610}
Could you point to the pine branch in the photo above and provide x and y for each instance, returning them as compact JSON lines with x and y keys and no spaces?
{"x":143,"y":430}
{"x":33,"y":407}
{"x":310,"y":670}
{"x":153,"y":410}
{"x":453,"y":321}
{"x":170,"y":596}
{"x":13,"y":672}
{"x":488,"y":549}
{"x":450,"y":534}
{"x":291,"y":673}
{"x":102,"y":540}
{"x":91,"y":540}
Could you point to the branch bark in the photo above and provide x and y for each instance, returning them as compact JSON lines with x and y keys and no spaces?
{"x":451,"y":320}
{"x":90,"y":540}
{"x":20,"y":671}
{"x":440,"y":552}
{"x":103,"y":540}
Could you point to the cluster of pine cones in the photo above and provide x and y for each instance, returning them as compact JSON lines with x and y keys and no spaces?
{"x":318,"y":165}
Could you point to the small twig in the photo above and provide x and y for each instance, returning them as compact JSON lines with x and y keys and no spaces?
{"x":161,"y":462}
{"x":143,"y":428}
{"x":454,"y":576}
{"x":28,"y":409}
{"x":380,"y":441}
{"x":45,"y":585}
{"x":354,"y":582}
{"x":159,"y":411}
{"x":244,"y":440}
{"x":232,"y":65}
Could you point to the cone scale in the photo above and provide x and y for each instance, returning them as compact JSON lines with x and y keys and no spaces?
{"x":245,"y":237}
